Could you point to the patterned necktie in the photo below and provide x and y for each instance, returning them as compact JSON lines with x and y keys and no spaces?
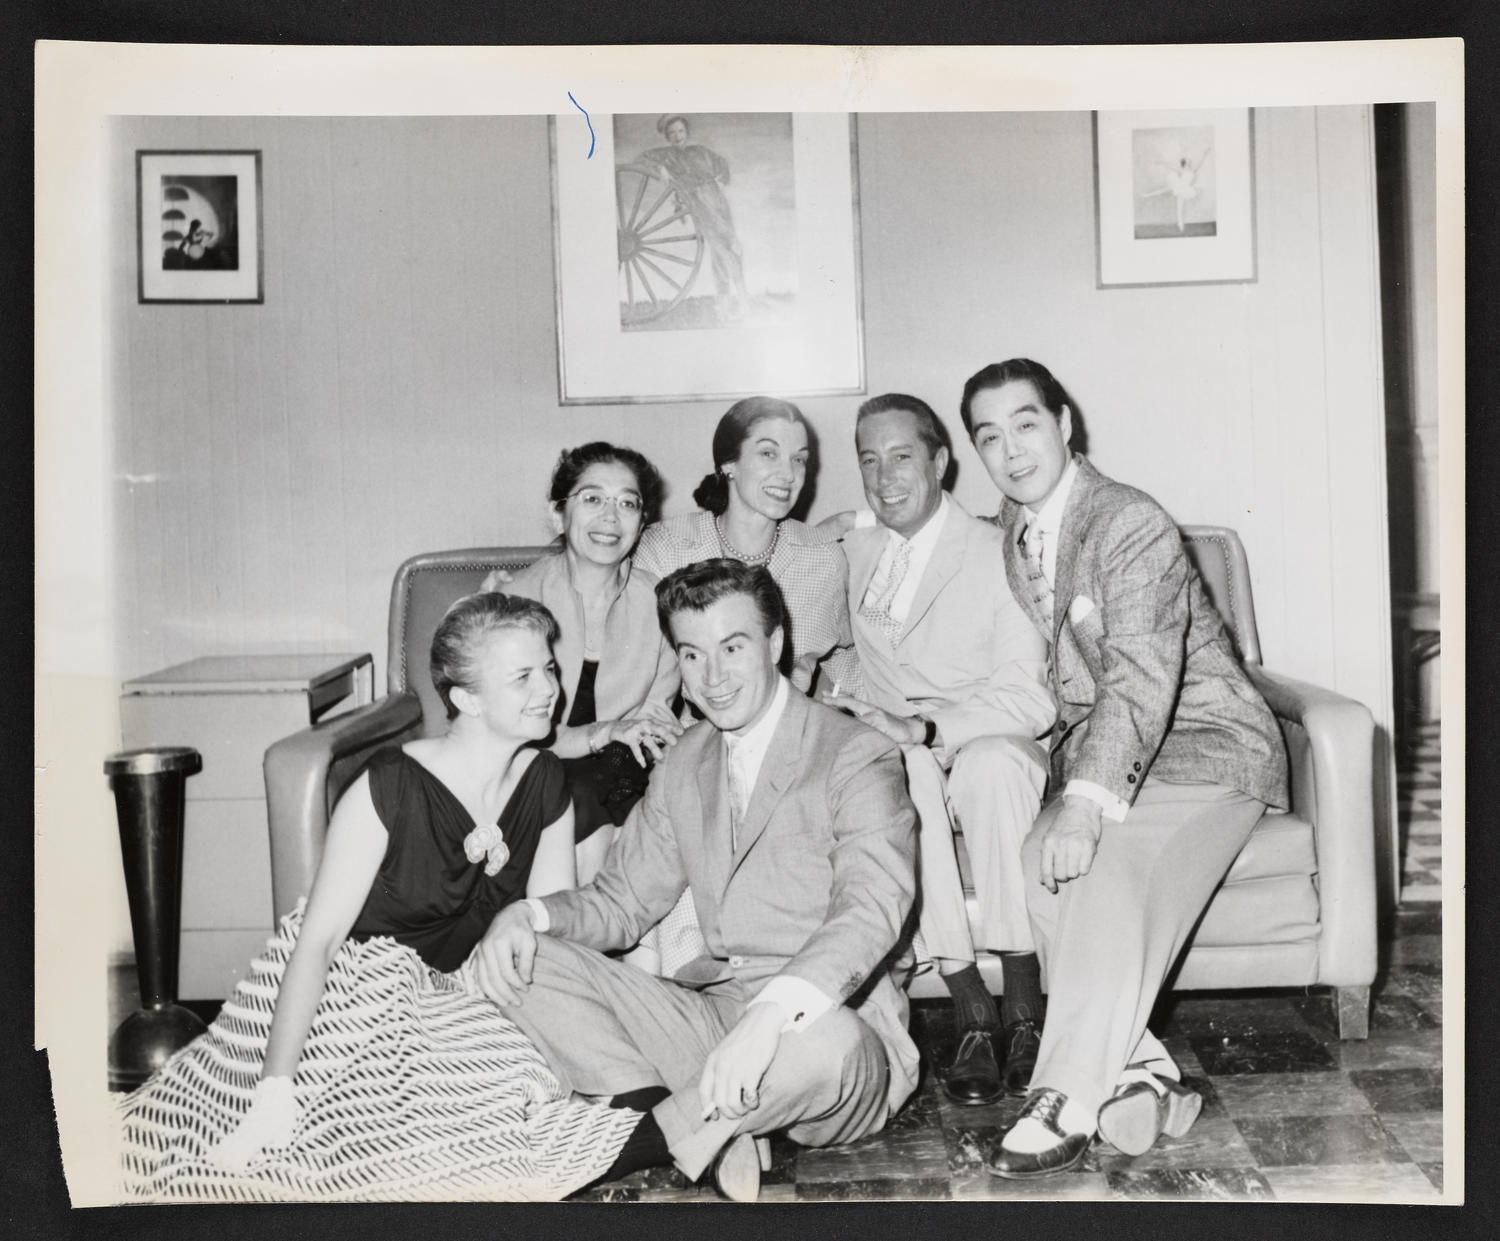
{"x":882,"y":595}
{"x":1036,"y":575}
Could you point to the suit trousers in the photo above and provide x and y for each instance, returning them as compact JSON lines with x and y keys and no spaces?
{"x":606,"y":1027}
{"x":993,"y":789}
{"x":1108,"y":939}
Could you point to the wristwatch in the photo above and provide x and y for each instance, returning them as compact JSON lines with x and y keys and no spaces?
{"x":929,"y":730}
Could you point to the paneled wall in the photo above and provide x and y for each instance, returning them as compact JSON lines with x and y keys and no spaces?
{"x":397,"y":390}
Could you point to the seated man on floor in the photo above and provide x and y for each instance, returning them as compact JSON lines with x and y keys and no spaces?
{"x":1163,"y":760}
{"x":955,"y":673}
{"x":790,"y":824}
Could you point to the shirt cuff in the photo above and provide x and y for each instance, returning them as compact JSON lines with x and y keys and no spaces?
{"x":864,"y":519}
{"x":541,"y":920}
{"x":1113,"y":807}
{"x":800,"y":1001}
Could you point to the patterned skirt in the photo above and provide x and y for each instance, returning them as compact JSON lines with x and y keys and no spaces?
{"x":412,"y":1086}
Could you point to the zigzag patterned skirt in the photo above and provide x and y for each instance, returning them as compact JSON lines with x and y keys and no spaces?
{"x":412,"y":1086}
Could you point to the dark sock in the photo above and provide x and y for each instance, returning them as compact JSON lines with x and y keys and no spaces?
{"x":644,"y":1148}
{"x":1021,"y":974}
{"x":642,"y":1100}
{"x":973,"y":1005}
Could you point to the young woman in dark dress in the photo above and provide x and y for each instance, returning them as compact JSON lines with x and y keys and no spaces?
{"x":379,"y":1029}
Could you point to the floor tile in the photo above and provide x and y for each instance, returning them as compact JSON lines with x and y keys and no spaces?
{"x":1420,"y":949}
{"x":1225,"y":1183}
{"x":1299,"y":1140}
{"x":1390,"y":1011}
{"x":1393,"y":1049}
{"x":1360,"y":1182}
{"x":1419,"y":1133}
{"x":886,"y":1156}
{"x":1291,"y":1094}
{"x":1213,"y":1142}
{"x":1194,"y":1013}
{"x":1294,"y":1051}
{"x":1401,"y":1090}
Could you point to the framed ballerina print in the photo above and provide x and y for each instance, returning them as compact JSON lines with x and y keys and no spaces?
{"x":1174,"y":196}
{"x":198,"y":226}
{"x":705,"y":256}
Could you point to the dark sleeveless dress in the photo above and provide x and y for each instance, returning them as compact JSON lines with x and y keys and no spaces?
{"x":427,"y":894}
{"x":411,"y":1084}
{"x":606,"y":785}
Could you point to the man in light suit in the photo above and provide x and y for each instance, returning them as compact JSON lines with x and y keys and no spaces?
{"x":789,"y":822}
{"x":1163,"y":759}
{"x":955,"y":673}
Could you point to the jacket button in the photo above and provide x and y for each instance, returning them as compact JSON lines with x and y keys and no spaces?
{"x":1130,"y":779}
{"x":1137,"y":766}
{"x":737,"y":962}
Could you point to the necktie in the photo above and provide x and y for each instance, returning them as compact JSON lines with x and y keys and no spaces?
{"x":1036,"y":575}
{"x":880,"y":597}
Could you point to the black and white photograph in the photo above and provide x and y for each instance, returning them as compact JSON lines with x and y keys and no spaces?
{"x":878,"y":633}
{"x":199,"y":226}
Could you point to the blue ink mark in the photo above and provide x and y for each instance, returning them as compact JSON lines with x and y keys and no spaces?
{"x":582,"y":109}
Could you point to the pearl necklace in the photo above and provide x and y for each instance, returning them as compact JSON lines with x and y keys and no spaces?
{"x":729,"y":549}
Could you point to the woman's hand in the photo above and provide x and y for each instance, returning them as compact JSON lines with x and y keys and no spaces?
{"x":652,"y":730}
{"x":497,"y":579}
{"x":269,"y":1122}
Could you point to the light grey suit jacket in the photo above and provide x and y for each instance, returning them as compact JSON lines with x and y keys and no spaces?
{"x":821,"y":882}
{"x":1146,"y":679}
{"x":969,"y":657}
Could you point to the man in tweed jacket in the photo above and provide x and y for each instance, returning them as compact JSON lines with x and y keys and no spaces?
{"x":1163,"y":759}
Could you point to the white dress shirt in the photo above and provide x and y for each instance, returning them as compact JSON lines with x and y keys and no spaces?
{"x":922,"y":545}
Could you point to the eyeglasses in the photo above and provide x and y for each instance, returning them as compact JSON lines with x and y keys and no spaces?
{"x":594,"y":502}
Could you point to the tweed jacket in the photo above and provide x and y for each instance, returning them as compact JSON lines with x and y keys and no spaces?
{"x":968,"y":657}
{"x":809,"y":568}
{"x":818,"y":888}
{"x":1145,"y":676}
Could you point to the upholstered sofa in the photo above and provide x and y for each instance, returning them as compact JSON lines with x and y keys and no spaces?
{"x":1298,"y":908}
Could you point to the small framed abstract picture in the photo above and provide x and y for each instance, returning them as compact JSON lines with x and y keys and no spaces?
{"x":198,"y":226}
{"x":1175,"y":196}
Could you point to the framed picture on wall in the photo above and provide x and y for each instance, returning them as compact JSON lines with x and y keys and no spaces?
{"x":1175,"y":196}
{"x":706,"y":256}
{"x":198,"y":226}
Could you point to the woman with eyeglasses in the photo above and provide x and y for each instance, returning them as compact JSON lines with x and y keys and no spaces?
{"x":618,"y":674}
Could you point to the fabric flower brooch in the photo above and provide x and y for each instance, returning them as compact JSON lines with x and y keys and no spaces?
{"x":487,"y":844}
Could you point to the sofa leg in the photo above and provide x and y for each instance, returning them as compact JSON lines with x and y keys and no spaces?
{"x":1354,"y":1011}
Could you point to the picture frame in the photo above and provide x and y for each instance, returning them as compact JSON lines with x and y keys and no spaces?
{"x":199,"y":226}
{"x":706,"y":256}
{"x":1174,"y":196}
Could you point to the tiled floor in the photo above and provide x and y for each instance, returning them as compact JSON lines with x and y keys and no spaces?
{"x":1290,"y":1112}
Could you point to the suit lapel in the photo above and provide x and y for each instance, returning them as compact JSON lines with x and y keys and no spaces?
{"x":777,"y":771}
{"x":946,"y":559}
{"x":1070,"y":539}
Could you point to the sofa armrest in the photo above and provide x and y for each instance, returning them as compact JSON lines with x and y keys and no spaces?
{"x":1330,"y":744}
{"x":305,"y":774}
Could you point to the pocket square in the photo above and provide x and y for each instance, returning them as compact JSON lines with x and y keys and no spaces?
{"x":1081,"y":606}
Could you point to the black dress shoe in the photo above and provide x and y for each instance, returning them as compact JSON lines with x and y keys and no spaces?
{"x":1020,"y":1041}
{"x":1066,"y":1153}
{"x":974,"y":1076}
